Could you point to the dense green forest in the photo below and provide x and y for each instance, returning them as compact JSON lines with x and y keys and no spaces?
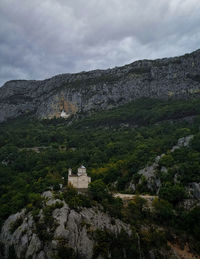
{"x":113,"y":145}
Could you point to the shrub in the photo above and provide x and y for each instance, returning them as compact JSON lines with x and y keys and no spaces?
{"x":193,"y":222}
{"x":142,"y":186}
{"x":153,"y":238}
{"x":98,"y":190}
{"x":14,"y":225}
{"x":113,"y":206}
{"x":2,"y":248}
{"x":166,"y":160}
{"x":64,"y":251}
{"x":12,"y":253}
{"x":172,"y":193}
{"x":43,"y":231}
{"x":162,"y":210}
{"x":109,"y":245}
{"x":136,"y":210}
{"x":75,"y":200}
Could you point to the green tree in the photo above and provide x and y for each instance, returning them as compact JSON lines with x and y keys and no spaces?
{"x":172,"y":193}
{"x":162,"y":210}
{"x":98,"y":190}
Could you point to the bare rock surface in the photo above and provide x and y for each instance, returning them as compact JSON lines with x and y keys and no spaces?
{"x":73,"y":229}
{"x":194,"y":190}
{"x":66,"y":94}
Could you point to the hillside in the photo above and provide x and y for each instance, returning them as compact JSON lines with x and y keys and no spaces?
{"x":85,"y":92}
{"x":148,"y":147}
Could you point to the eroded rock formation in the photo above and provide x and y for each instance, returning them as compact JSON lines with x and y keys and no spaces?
{"x":65,"y":229}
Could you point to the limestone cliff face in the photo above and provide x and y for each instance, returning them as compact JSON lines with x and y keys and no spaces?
{"x":59,"y":231}
{"x":67,"y":229}
{"x":177,"y":77}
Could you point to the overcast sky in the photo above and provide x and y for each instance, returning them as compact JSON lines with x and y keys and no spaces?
{"x":42,"y":38}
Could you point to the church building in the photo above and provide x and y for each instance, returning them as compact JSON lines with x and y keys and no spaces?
{"x":79,"y":180}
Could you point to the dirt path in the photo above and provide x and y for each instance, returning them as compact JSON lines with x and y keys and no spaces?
{"x":183,"y":253}
{"x":132,"y":196}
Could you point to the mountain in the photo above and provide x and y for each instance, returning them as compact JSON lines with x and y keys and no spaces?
{"x":137,"y":131}
{"x":67,"y":94}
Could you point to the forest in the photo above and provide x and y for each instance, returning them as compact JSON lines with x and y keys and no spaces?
{"x":114,"y":145}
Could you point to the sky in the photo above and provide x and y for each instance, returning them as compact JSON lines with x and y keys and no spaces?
{"x":42,"y":38}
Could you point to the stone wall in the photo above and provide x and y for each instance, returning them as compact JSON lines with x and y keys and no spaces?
{"x":79,"y":182}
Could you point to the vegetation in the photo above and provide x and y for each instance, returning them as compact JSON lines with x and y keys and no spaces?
{"x":119,"y":246}
{"x":2,"y":249}
{"x":75,"y":200}
{"x":12,"y":253}
{"x":65,"y":252}
{"x":114,"y":145}
{"x":16,"y":224}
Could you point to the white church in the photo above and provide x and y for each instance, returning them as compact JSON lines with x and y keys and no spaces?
{"x":79,"y":180}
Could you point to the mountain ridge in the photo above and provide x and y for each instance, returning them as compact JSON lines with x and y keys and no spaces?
{"x":85,"y":92}
{"x":93,"y":70}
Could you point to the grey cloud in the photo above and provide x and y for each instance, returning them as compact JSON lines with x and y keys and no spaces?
{"x":39,"y":39}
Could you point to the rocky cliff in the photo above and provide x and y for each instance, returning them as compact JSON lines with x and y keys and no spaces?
{"x":67,"y":94}
{"x":58,"y":231}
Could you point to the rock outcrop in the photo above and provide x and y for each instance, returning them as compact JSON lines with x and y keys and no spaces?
{"x":152,"y":179}
{"x":67,"y":94}
{"x":64,"y":230}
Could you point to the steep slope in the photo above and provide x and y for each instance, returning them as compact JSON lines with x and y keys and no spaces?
{"x":58,"y":230}
{"x":67,"y":94}
{"x":150,"y":172}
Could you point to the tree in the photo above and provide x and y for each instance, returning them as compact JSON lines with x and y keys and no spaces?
{"x":98,"y":190}
{"x":166,"y":160}
{"x":172,"y":193}
{"x":193,"y":222}
{"x":162,"y":210}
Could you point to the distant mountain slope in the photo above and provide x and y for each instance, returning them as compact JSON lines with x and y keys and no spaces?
{"x":67,"y":94}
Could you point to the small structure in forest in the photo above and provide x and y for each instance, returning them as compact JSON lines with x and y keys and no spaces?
{"x":64,"y":115}
{"x":79,"y":180}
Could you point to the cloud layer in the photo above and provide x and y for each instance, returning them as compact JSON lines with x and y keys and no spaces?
{"x":39,"y":39}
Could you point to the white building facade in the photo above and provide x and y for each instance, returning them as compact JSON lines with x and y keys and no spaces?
{"x":79,"y":180}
